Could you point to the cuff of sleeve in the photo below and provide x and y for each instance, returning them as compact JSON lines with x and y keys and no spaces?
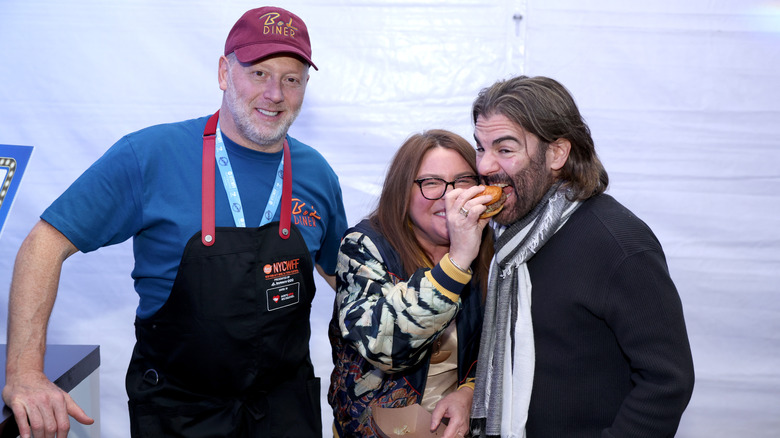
{"x":453,"y":271}
{"x":448,"y":279}
{"x":468,"y":384}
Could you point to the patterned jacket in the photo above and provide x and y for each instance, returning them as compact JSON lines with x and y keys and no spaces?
{"x":384,"y":326}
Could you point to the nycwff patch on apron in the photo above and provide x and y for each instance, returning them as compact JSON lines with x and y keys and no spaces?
{"x":285,"y":286}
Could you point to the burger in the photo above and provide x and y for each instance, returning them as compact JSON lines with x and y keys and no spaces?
{"x":496,"y":203}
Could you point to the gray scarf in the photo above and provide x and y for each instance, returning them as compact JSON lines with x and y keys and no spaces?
{"x":507,"y":305}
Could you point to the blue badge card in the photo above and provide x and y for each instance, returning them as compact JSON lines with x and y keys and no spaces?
{"x":13,"y":162}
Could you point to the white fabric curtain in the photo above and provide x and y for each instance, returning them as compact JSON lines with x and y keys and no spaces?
{"x":682,"y":99}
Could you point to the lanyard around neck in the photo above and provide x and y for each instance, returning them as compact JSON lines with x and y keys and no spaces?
{"x":231,"y":187}
{"x":211,"y":135}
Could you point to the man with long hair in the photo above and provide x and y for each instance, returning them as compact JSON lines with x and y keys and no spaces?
{"x":584,"y":332}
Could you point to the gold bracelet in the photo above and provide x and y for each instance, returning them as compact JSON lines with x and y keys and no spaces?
{"x":459,"y":268}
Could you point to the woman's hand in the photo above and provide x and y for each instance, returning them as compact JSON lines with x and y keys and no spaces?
{"x":457,"y":407}
{"x":463,"y":223}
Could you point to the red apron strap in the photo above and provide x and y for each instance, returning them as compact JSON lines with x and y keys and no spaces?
{"x":284,"y":215}
{"x":207,"y":181}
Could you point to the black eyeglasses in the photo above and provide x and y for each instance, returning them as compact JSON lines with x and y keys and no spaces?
{"x":434,"y":188}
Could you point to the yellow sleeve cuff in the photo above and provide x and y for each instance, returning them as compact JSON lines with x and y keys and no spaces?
{"x":453,"y":271}
{"x":448,"y":279}
{"x":468,"y":384}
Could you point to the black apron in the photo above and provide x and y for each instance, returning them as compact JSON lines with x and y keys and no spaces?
{"x":227,"y":355}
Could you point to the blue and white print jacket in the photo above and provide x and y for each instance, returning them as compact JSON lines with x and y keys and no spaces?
{"x":385,"y":324}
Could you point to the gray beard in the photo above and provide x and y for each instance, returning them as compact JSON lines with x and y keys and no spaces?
{"x":244,"y":124}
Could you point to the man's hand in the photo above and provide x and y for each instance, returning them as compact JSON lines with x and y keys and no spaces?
{"x":40,"y":408}
{"x":457,"y":407}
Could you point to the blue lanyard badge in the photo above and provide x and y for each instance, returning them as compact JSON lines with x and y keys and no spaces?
{"x":231,"y":188}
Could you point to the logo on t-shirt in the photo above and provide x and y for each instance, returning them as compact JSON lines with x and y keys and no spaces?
{"x":304,"y":214}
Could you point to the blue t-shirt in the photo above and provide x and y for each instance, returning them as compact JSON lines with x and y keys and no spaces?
{"x":148,"y":186}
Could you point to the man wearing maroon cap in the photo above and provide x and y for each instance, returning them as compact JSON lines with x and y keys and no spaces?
{"x":229,"y":215}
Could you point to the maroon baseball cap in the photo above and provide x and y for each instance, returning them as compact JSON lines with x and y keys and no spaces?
{"x":267,"y":31}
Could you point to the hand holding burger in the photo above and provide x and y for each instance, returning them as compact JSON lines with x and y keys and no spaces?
{"x":496,"y":203}
{"x":464,"y":231}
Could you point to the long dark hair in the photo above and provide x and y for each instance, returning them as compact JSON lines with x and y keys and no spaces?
{"x":545,"y":108}
{"x":391,"y":217}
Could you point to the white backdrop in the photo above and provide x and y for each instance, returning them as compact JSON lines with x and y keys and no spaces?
{"x":682,"y":97}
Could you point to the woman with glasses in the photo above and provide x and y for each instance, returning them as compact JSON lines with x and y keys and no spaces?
{"x":410,"y":283}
